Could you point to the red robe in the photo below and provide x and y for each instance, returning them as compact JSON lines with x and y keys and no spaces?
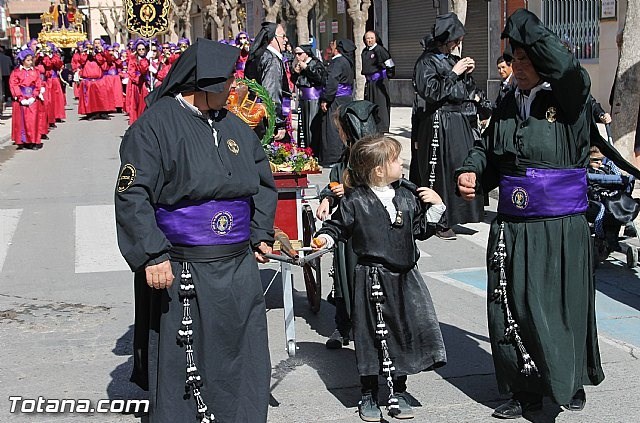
{"x":112,"y":77}
{"x":95,"y":93}
{"x":25,"y":84}
{"x":45,"y":117}
{"x":137,"y":88}
{"x":53,"y":65}
{"x":75,"y":67}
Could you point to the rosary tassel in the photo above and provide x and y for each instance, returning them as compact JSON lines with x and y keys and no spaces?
{"x":512,"y":331}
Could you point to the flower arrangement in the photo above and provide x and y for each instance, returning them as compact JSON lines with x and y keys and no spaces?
{"x":287,"y":157}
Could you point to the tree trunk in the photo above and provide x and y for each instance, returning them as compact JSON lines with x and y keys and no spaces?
{"x":626,"y":100}
{"x":104,"y":22}
{"x":459,"y":7}
{"x":271,"y":10}
{"x":359,"y":13}
{"x":232,"y":11}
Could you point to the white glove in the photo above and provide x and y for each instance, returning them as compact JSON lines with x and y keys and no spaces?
{"x":152,"y":68}
{"x":150,"y":54}
{"x":41,"y":97}
{"x":42,"y":90}
{"x":25,"y":102}
{"x":31,"y":101}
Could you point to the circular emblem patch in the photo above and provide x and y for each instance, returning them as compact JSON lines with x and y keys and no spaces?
{"x":551,"y":114}
{"x":373,"y":55}
{"x":233,"y":146}
{"x":126,"y":178}
{"x":222,"y":223}
{"x":520,"y":198}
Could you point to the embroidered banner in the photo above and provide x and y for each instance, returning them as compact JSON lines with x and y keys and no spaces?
{"x":147,"y":17}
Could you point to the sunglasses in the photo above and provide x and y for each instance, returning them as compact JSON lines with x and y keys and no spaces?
{"x":281,"y":35}
{"x":298,"y":53}
{"x":243,"y":38}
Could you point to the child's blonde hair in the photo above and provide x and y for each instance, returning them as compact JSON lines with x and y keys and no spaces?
{"x":367,"y":154}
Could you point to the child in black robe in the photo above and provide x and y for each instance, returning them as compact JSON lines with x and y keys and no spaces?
{"x":396,"y":331}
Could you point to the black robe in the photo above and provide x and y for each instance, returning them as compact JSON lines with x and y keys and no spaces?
{"x":311,"y":76}
{"x":549,"y":260}
{"x":377,"y":91}
{"x":273,"y":77}
{"x":439,"y":90}
{"x":415,"y":341}
{"x":340,"y":72}
{"x":169,"y":156}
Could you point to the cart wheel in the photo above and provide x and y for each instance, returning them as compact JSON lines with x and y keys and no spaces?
{"x":291,"y":348}
{"x":314,"y":289}
{"x":308,"y":225}
{"x":632,"y":257}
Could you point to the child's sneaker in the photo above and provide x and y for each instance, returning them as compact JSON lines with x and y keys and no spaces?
{"x":404,"y":410}
{"x":368,"y":409}
{"x":337,"y":341}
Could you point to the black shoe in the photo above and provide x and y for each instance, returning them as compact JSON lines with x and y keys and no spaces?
{"x":577,"y":402}
{"x":92,"y":117}
{"x":446,"y":233}
{"x":21,"y":147}
{"x":38,"y":146}
{"x":403,"y":409}
{"x":630,"y":230}
{"x":368,"y":409}
{"x":514,"y":409}
{"x":105,"y":116}
{"x":53,"y":125}
{"x":336,"y":340}
{"x":44,"y":137}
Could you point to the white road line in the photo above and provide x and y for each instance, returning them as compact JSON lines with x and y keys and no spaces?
{"x":8,"y":223}
{"x":96,"y":242}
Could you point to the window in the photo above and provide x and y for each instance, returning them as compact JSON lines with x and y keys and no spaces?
{"x":576,"y":22}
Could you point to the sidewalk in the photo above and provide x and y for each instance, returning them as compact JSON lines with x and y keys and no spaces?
{"x":5,"y":128}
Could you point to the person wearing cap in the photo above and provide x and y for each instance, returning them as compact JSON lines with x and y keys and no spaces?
{"x":25,"y":84}
{"x":541,"y":293}
{"x":139,"y":78}
{"x":337,"y":91}
{"x":195,"y":203}
{"x":242,"y":42}
{"x":265,"y":64}
{"x":377,"y":67}
{"x":308,"y":75}
{"x":441,"y":134}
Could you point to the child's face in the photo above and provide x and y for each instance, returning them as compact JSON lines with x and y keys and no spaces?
{"x":595,"y":160}
{"x":394,"y":170}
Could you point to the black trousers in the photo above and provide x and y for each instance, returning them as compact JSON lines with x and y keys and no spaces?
{"x":370,"y":384}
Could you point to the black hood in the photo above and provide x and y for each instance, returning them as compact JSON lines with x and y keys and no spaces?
{"x":358,"y":119}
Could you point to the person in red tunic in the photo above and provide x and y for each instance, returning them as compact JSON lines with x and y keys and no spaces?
{"x":112,"y":76}
{"x":242,"y":42}
{"x":25,"y":85}
{"x":75,"y":67}
{"x":53,"y":65}
{"x":137,"y":88}
{"x":45,"y":119}
{"x":95,"y":97}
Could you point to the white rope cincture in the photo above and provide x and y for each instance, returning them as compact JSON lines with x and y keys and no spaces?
{"x":377,"y":297}
{"x":512,"y":331}
{"x":435,"y":143}
{"x":193,"y":381}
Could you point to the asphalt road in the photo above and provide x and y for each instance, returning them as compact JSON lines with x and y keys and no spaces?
{"x":66,"y":305}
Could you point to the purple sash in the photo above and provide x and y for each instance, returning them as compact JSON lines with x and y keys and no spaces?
{"x":54,"y":74}
{"x":310,"y":93}
{"x":544,"y":193}
{"x":240,"y":65}
{"x":286,"y":106}
{"x":213,"y":222}
{"x":344,"y":90}
{"x":111,"y":72}
{"x":377,"y":75}
{"x":26,"y":91}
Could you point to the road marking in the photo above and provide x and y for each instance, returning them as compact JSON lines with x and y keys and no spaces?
{"x":619,"y":321}
{"x":8,"y":223}
{"x":96,"y":242}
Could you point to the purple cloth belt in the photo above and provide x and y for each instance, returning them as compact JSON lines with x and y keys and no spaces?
{"x":54,"y":74}
{"x":377,"y":75}
{"x":344,"y":90}
{"x":310,"y":93}
{"x":544,"y":193}
{"x":213,"y":222}
{"x":26,"y":91}
{"x":286,"y":106}
{"x":111,"y":72}
{"x":240,"y":65}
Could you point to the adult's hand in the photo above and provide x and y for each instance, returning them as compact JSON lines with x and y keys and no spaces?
{"x":159,"y":276}
{"x":262,"y":249}
{"x":322,"y":212}
{"x":467,"y":185}
{"x":605,"y":118}
{"x":280,"y":134}
{"x":323,"y":106}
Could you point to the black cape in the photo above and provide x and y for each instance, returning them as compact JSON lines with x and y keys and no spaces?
{"x":340,"y":72}
{"x":377,"y":91}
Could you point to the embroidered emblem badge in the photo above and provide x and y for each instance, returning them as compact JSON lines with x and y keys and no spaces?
{"x":520,"y":198}
{"x":551,"y":114}
{"x":373,"y":55}
{"x":126,"y":178}
{"x":233,"y":146}
{"x":222,"y":223}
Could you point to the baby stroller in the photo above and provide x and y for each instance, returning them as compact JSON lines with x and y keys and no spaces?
{"x":610,"y":206}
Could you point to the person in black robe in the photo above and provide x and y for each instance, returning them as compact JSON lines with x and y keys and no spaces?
{"x":541,"y":292}
{"x":265,"y":64}
{"x":377,"y":67}
{"x":440,"y":133}
{"x":309,"y":75}
{"x":338,"y":90}
{"x":195,"y":201}
{"x":396,"y":331}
